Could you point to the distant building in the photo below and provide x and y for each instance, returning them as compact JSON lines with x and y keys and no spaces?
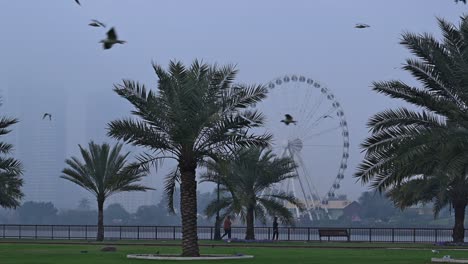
{"x":40,"y":144}
{"x":96,"y":125}
{"x":42,"y":178}
{"x":335,"y":207}
{"x":421,"y":209}
{"x":353,"y":212}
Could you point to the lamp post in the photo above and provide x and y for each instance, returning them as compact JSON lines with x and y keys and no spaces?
{"x":217,"y":233}
{"x":223,"y":166}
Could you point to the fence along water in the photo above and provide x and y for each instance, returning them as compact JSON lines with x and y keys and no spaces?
{"x":88,"y":232}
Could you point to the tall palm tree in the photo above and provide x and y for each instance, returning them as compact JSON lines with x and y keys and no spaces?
{"x":251,"y":174}
{"x":10,"y":170}
{"x":426,"y":147}
{"x":105,"y":172}
{"x":197,"y":111}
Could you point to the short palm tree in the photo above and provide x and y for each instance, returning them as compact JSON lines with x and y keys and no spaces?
{"x":10,"y":170}
{"x":104,"y":172}
{"x":248,"y":181}
{"x":425,"y":148}
{"x":197,"y":111}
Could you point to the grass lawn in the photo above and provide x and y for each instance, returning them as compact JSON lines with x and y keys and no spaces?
{"x":312,"y":244}
{"x":70,"y":254}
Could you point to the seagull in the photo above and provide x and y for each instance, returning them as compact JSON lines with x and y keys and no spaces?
{"x":435,"y":251}
{"x":111,"y":39}
{"x":78,"y":2}
{"x":361,"y":25}
{"x":47,"y":115}
{"x":288,"y":119}
{"x":96,"y":23}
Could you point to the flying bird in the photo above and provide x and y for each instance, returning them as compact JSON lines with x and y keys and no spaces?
{"x":96,"y":23}
{"x":327,"y":116}
{"x":47,"y":115}
{"x":361,"y":25}
{"x":435,"y":251}
{"x":288,"y":119}
{"x":78,"y":2}
{"x":111,"y":39}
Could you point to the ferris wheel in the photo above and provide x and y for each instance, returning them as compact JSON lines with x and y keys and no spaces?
{"x":309,"y":125}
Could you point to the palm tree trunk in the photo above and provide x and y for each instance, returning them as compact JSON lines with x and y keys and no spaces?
{"x":188,"y":206}
{"x":250,"y":233}
{"x":100,"y":231}
{"x":458,"y":234}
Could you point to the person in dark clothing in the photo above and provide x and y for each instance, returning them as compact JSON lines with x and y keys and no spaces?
{"x":227,"y":227}
{"x":275,"y":228}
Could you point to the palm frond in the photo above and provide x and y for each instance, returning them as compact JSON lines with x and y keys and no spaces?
{"x":170,"y":184}
{"x":104,"y":171}
{"x":275,"y":208}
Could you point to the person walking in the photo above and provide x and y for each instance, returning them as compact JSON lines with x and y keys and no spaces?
{"x":275,"y":228}
{"x":227,"y":227}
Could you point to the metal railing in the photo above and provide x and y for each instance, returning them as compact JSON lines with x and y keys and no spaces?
{"x":88,"y":232}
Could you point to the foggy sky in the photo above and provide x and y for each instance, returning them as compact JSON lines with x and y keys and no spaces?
{"x":50,"y":60}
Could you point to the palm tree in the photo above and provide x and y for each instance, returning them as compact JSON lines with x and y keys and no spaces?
{"x":251,"y":174}
{"x":10,"y":170}
{"x":197,"y":112}
{"x":441,"y":191}
{"x":426,"y":147}
{"x":105,"y":172}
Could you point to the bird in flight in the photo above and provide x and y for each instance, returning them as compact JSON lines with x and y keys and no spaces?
{"x":361,"y":25}
{"x":288,"y":119}
{"x":96,"y":23}
{"x":327,"y":116}
{"x":111,"y":39}
{"x":78,"y":2}
{"x":47,"y":115}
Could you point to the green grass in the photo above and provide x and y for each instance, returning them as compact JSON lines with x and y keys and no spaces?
{"x":311,"y":244}
{"x":70,"y":254}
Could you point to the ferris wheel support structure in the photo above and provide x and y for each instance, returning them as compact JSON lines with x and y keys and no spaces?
{"x":317,"y":140}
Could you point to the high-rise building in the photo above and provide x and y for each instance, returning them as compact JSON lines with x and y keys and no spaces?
{"x":97,"y":118}
{"x":47,"y":156}
{"x":40,"y":142}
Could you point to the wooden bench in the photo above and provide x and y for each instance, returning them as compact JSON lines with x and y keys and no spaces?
{"x":333,"y":232}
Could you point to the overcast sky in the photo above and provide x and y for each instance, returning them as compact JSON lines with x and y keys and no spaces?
{"x":46,"y":46}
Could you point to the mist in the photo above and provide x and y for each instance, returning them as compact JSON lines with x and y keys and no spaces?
{"x":51,"y":61}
